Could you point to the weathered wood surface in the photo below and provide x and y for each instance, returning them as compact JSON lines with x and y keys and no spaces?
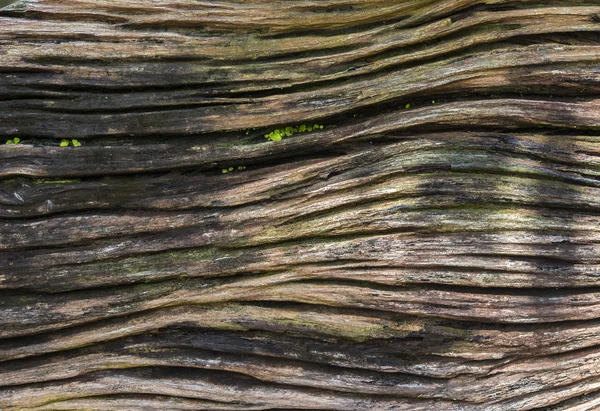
{"x":441,"y":256}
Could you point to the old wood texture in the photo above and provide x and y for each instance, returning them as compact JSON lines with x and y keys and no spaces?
{"x":434,"y":246}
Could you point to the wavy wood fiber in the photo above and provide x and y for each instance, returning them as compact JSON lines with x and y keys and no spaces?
{"x":435,"y":246}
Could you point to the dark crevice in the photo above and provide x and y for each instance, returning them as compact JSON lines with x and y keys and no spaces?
{"x":357,"y":28}
{"x":166,"y":108}
{"x":549,"y":293}
{"x":585,"y":401}
{"x":223,"y":89}
{"x":209,"y":88}
{"x":25,"y":13}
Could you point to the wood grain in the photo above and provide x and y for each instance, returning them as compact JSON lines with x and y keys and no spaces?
{"x":435,"y":246}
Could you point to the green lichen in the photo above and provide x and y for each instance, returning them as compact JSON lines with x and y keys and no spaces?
{"x":15,"y":140}
{"x":66,"y":143}
{"x":231,"y":169}
{"x":288,"y":131}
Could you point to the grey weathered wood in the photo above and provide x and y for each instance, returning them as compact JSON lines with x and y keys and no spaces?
{"x":435,"y":246}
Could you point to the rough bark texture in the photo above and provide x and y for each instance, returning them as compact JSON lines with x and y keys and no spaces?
{"x":435,"y":246}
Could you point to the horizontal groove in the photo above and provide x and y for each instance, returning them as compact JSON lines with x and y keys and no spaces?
{"x":90,"y":334}
{"x":358,"y":381}
{"x":334,"y":32}
{"x":435,"y":246}
{"x":536,"y":306}
{"x":495,"y":291}
{"x":161,"y":109}
{"x":211,"y":88}
{"x":555,"y":265}
{"x":147,"y":402}
{"x":148,"y":245}
{"x":257,"y":154}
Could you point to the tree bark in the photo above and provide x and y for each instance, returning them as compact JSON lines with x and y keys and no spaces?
{"x":421,"y":230}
